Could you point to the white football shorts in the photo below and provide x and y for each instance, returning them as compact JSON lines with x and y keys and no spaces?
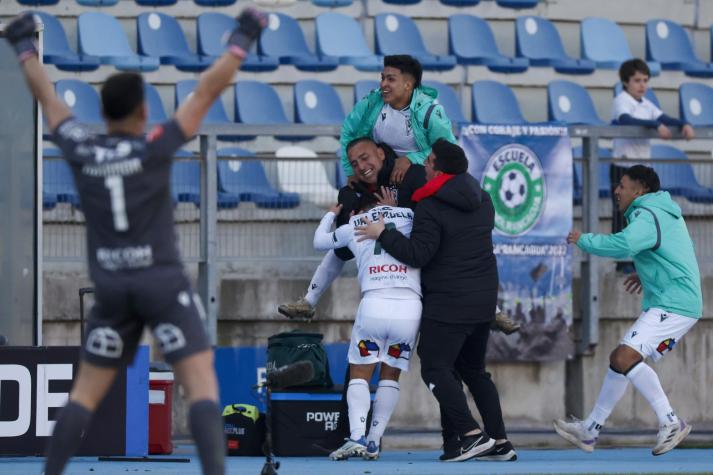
{"x":656,"y":332}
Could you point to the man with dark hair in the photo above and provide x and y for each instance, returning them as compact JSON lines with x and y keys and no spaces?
{"x":123,"y":183}
{"x":451,"y":241}
{"x":657,"y":239}
{"x":632,"y":107}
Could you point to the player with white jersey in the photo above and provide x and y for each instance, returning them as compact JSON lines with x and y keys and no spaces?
{"x":386,"y":324}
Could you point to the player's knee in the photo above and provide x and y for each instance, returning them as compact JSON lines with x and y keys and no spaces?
{"x":389,"y":372}
{"x":623,"y":358}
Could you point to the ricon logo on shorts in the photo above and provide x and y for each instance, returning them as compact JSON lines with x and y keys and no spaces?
{"x":515,"y":181}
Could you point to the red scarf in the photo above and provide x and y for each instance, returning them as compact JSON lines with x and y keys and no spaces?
{"x":431,"y":187}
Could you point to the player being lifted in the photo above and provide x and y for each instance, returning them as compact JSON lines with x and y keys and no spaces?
{"x":386,"y":323}
{"x":123,"y":183}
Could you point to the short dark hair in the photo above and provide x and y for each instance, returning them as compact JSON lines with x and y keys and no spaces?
{"x":631,"y":67}
{"x":367,"y":201}
{"x":450,"y":158}
{"x":645,"y":176}
{"x":121,"y":94}
{"x":407,"y":65}
{"x":359,"y":140}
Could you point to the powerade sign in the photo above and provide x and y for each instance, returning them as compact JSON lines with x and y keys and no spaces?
{"x":34,"y":385}
{"x":527,"y":171}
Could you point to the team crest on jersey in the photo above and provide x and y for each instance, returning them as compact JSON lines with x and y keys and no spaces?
{"x":400,"y":350}
{"x":666,"y":345}
{"x":366,"y":347}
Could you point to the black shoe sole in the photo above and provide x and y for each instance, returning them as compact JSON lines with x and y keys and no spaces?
{"x":511,"y":456}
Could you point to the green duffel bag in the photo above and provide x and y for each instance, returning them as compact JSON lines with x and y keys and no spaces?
{"x":291,"y":347}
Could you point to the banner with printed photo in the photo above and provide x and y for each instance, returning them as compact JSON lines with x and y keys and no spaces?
{"x":527,"y":170}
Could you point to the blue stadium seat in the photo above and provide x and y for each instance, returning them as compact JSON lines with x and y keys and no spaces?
{"x":471,"y":40}
{"x":258,"y":103}
{"x":156,"y":3}
{"x":156,"y":111}
{"x":214,"y":3}
{"x":49,"y":200}
{"x":58,"y":182}
{"x":678,"y":178}
{"x":537,"y":39}
{"x":402,"y":2}
{"x":570,"y":103}
{"x":160,"y":36}
{"x":97,"y":3}
{"x":578,"y":177}
{"x":695,"y":104}
{"x":216,"y":114}
{"x":448,"y":98}
{"x":650,"y":94}
{"x":398,"y":34}
{"x":317,"y":102}
{"x":284,"y":40}
{"x":668,"y":43}
{"x":340,"y":36}
{"x":56,"y":48}
{"x":247,"y":180}
{"x":495,"y":103}
{"x":332,"y":3}
{"x":212,"y":32}
{"x":518,"y":4}
{"x":603,"y":42}
{"x":38,"y":2}
{"x":186,"y":185}
{"x":460,"y":3}
{"x":101,"y":35}
{"x":364,"y":87}
{"x":82,"y":100}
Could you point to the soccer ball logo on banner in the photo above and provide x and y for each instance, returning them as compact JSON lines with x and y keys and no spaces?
{"x":515,"y":181}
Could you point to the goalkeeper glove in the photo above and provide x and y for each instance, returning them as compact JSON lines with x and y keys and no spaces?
{"x":21,"y":35}
{"x":250,"y":23}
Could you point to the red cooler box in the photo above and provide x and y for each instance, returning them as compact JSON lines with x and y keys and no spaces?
{"x":160,"y":407}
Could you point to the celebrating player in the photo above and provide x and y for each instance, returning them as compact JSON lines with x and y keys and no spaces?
{"x":666,"y":269}
{"x":123,"y":183}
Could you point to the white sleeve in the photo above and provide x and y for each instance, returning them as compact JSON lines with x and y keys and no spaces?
{"x":655,"y":111}
{"x":324,"y":239}
{"x":621,"y":106}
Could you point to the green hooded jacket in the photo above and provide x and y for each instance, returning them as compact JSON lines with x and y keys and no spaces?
{"x":429,"y":123}
{"x":658,"y":241}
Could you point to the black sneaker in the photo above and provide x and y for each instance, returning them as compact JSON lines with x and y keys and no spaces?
{"x":504,"y":452}
{"x":470,"y":446}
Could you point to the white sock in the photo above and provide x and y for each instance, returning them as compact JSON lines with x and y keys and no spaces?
{"x":646,"y":381}
{"x":359,"y":401}
{"x":328,"y":270}
{"x":612,"y":390}
{"x":497,"y":309}
{"x":387,"y":396}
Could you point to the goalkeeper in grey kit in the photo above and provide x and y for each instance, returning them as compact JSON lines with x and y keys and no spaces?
{"x":123,"y":182}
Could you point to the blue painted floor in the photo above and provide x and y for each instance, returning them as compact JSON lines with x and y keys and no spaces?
{"x":625,"y":461}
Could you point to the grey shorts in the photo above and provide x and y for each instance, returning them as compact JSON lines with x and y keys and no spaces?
{"x":125,"y":302}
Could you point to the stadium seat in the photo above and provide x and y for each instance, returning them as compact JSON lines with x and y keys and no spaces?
{"x":82,"y":100}
{"x":160,"y":36}
{"x":398,"y":34}
{"x":460,"y":3}
{"x":317,"y":102}
{"x":448,"y":98}
{"x":471,"y":40}
{"x":570,"y":103}
{"x":97,"y":3}
{"x":156,"y":111}
{"x":495,"y":103}
{"x":537,"y":39}
{"x":156,"y":3}
{"x":603,"y":42}
{"x":247,"y":179}
{"x":695,"y":104}
{"x":58,"y":182}
{"x":332,"y":3}
{"x":56,"y":48}
{"x":650,"y":94}
{"x":284,"y":40}
{"x":186,"y":185}
{"x":38,"y":2}
{"x":518,"y":4}
{"x":216,"y":114}
{"x":214,"y":3}
{"x":340,"y":36}
{"x":307,"y":178}
{"x":258,"y":103}
{"x":402,"y":2}
{"x":578,"y":177}
{"x":668,"y":43}
{"x":364,"y":87}
{"x":101,"y":35}
{"x":678,"y":178}
{"x":212,"y":32}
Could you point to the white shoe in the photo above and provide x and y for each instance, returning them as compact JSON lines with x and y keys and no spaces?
{"x":351,"y":448}
{"x":575,"y":432}
{"x":670,"y":435}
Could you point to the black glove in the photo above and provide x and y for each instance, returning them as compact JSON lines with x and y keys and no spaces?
{"x":250,"y":24}
{"x":21,"y":35}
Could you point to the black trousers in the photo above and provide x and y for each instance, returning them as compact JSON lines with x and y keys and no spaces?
{"x":450,"y":355}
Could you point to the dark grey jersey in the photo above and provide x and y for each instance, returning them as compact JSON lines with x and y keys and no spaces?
{"x":124,"y":190}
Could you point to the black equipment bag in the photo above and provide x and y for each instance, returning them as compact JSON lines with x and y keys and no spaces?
{"x":244,"y":429}
{"x":290,"y":347}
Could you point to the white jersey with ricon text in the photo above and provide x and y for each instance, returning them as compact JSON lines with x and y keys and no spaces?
{"x":377,"y":268}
